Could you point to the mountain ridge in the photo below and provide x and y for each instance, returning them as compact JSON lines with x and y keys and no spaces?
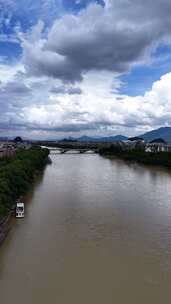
{"x":163,"y":132}
{"x":102,"y":139}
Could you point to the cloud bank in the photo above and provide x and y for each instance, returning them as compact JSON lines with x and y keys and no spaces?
{"x":67,"y":79}
{"x":111,"y":38}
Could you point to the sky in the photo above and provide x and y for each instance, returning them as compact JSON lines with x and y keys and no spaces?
{"x":76,"y":67}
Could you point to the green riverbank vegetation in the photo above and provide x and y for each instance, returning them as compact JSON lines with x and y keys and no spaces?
{"x":17,"y":174}
{"x":139,"y":155}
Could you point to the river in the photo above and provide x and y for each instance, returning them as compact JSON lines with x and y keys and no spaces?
{"x":96,"y":231}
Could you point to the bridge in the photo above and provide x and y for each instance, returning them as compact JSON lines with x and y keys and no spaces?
{"x":54,"y":151}
{"x":70,"y":147}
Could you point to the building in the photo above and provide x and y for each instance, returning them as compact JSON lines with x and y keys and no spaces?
{"x":157,"y":145}
{"x":7,"y":150}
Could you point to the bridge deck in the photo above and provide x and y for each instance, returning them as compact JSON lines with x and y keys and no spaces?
{"x":72,"y":151}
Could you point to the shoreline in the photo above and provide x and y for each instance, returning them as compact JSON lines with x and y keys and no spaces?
{"x":36,"y":159}
{"x":148,"y":159}
{"x":5,"y":226}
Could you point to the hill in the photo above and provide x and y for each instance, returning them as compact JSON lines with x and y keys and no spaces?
{"x":102,"y":139}
{"x":164,"y":133}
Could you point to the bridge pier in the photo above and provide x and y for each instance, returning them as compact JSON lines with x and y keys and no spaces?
{"x":63,"y":151}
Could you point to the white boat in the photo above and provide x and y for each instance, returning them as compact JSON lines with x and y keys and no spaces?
{"x":20,"y":210}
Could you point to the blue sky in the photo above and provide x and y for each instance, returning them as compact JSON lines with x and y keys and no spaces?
{"x":19,"y":14}
{"x":140,"y":79}
{"x":84,"y":67}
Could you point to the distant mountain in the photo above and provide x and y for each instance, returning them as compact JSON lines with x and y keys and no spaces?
{"x":3,"y":138}
{"x":158,"y":141}
{"x":113,"y":138}
{"x":164,"y":133}
{"x":85,"y":138}
{"x":101,"y":139}
{"x":135,"y":138}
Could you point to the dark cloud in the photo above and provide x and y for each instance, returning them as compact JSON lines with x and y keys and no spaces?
{"x":66,"y":90}
{"x":99,"y":38}
{"x":13,"y":94}
{"x":15,"y":88}
{"x":69,"y":127}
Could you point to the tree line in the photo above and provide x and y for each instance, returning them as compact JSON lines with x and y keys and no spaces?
{"x":139,"y":155}
{"x":17,"y":174}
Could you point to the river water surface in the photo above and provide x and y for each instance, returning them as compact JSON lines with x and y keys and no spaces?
{"x":96,"y":231}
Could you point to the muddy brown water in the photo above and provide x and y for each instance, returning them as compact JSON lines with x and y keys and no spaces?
{"x":96,"y":231}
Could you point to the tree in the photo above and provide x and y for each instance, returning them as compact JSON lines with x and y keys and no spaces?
{"x":18,"y":139}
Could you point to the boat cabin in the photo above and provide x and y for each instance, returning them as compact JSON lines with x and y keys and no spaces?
{"x":20,"y":210}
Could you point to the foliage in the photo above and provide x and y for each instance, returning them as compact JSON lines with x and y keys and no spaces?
{"x":16,"y":175}
{"x":138,"y":155}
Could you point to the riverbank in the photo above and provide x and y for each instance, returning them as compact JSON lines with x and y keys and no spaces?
{"x":5,"y":226}
{"x":147,"y":158}
{"x":16,"y":176}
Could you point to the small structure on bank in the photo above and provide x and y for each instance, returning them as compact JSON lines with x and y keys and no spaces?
{"x":9,"y":148}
